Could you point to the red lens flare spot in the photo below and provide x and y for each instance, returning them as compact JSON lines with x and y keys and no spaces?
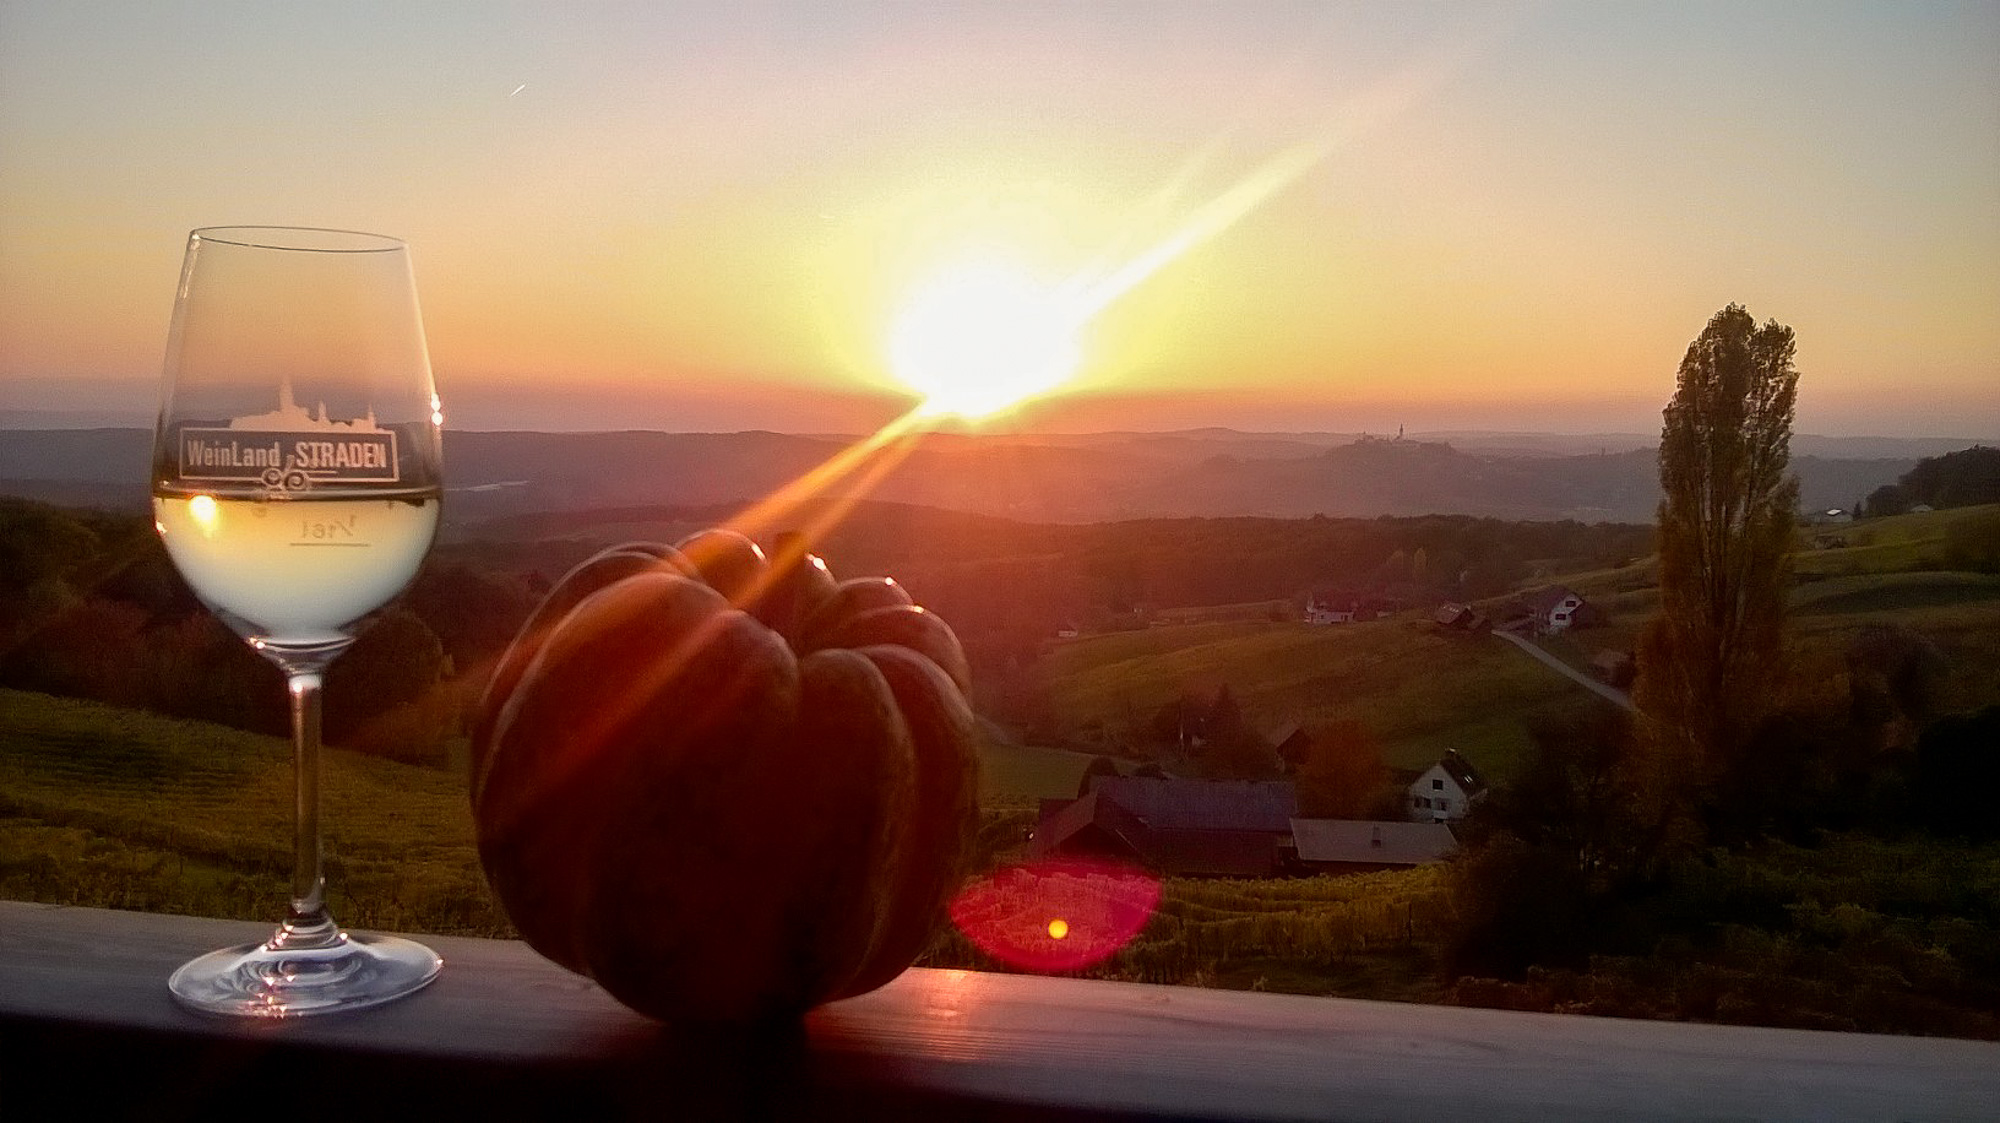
{"x":1055,"y":916}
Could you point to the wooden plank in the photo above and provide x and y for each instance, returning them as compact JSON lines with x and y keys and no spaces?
{"x":82,"y":995}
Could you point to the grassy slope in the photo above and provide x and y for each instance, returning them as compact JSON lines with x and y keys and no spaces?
{"x":1896,"y":544}
{"x":1024,"y":773}
{"x":113,"y":807}
{"x":109,"y":807}
{"x":1417,"y":689}
{"x":1421,"y":691}
{"x":116,"y":807}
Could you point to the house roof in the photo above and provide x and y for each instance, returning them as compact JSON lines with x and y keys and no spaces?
{"x":1371,"y":843}
{"x":1181,"y":851}
{"x":1208,"y":853}
{"x":1166,"y":804}
{"x":1461,"y":770}
{"x":1544,"y":601}
{"x":1061,"y":820}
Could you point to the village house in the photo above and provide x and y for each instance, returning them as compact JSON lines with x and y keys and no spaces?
{"x":1461,"y":618}
{"x":1223,"y":828}
{"x":1174,"y":827}
{"x":1556,"y":609}
{"x":1446,"y":791}
{"x":1357,"y":846}
{"x":1344,"y":608}
{"x":1293,"y":746}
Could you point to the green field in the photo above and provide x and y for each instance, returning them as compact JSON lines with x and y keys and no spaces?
{"x":101,"y":805}
{"x":1932,"y":540}
{"x":1025,"y":773}
{"x":113,"y":808}
{"x":110,"y":807}
{"x":1419,"y":690}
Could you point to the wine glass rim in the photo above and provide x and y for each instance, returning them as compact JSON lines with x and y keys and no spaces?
{"x":298,"y":239}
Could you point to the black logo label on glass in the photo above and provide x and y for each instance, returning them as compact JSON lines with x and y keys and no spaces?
{"x":289,"y":449}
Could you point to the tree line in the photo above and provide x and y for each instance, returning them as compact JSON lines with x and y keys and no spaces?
{"x":100,"y":612}
{"x":1967,"y":478}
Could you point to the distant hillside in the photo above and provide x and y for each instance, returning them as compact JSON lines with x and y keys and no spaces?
{"x":1060,"y":479}
{"x":1966,"y":478}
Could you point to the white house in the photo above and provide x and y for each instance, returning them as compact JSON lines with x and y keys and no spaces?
{"x":1343,"y":608}
{"x":1554,"y":608}
{"x":1446,"y":790}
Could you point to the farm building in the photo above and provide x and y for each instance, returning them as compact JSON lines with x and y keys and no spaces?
{"x":1460,"y":617}
{"x":1188,"y":828}
{"x":1345,"y":608}
{"x":1357,"y":846}
{"x":1223,"y":828}
{"x":1446,"y":790}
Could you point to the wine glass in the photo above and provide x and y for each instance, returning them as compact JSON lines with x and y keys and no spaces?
{"x":296,"y":485}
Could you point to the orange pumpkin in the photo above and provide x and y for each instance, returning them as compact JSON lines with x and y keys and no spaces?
{"x":726,"y":788}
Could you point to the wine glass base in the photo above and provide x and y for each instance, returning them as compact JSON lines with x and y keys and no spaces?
{"x":259,"y":981}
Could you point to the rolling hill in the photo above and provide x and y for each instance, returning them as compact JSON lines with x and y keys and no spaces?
{"x":1078,"y":479}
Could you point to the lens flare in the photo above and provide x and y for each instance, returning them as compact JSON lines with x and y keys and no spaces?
{"x":205,"y":513}
{"x":984,"y":336}
{"x":1055,"y":916}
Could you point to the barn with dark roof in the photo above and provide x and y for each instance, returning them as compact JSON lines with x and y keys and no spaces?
{"x":1187,"y":828}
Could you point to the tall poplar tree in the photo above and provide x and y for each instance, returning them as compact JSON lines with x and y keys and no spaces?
{"x":1711,"y":657}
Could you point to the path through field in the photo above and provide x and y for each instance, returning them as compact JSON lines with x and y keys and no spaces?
{"x":1609,"y":693}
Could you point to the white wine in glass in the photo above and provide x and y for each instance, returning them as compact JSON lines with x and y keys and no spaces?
{"x":296,"y":485}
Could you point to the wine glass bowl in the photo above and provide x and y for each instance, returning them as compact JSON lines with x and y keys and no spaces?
{"x":296,"y":486}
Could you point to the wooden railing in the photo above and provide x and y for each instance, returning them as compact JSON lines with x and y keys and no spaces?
{"x":87,"y":1030}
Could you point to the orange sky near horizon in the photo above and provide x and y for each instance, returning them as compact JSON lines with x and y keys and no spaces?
{"x":1514,"y":213}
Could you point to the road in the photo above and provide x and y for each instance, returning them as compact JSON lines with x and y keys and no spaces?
{"x":1609,"y":693}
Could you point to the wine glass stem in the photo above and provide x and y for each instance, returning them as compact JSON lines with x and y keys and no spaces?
{"x":308,"y":924}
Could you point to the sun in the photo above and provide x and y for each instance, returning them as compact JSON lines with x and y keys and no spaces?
{"x":983,"y":336}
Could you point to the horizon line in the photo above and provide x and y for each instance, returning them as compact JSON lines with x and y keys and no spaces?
{"x":23,"y":421}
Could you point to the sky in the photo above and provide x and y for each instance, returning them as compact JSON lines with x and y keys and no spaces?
{"x":1314,"y":216}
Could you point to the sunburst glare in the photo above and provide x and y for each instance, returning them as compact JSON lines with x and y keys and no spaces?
{"x":983,"y":336}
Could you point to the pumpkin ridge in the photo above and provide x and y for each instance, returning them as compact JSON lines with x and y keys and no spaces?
{"x":856,"y":768}
{"x":599,"y":572}
{"x":679,"y":795}
{"x":945,"y":812}
{"x":595,"y":631}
